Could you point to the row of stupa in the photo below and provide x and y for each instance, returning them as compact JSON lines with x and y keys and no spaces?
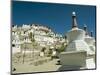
{"x":80,"y":49}
{"x":79,"y":39}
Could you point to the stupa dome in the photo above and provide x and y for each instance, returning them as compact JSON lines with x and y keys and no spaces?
{"x":75,"y":34}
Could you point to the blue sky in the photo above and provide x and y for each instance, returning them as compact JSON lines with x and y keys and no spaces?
{"x":57,"y":16}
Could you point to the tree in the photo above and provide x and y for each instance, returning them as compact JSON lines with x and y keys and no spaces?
{"x":62,"y":48}
{"x":31,"y":37}
{"x":24,"y":46}
{"x":43,"y":49}
{"x":21,"y":45}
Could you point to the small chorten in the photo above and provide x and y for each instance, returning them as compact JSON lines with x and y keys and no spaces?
{"x":90,"y":41}
{"x":85,"y":29}
{"x":91,"y":34}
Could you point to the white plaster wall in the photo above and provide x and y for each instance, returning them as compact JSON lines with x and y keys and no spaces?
{"x":79,"y":45}
{"x":75,"y":58}
{"x":77,"y":34}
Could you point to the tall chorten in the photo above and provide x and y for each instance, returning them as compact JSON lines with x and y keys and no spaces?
{"x":76,"y":38}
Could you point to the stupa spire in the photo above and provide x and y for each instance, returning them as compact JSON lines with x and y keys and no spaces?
{"x":85,"y":29}
{"x":91,"y":34}
{"x":74,"y":21}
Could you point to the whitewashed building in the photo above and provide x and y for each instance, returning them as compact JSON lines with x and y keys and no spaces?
{"x":43,"y":35}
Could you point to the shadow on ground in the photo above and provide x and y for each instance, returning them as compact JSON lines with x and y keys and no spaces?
{"x":68,"y":68}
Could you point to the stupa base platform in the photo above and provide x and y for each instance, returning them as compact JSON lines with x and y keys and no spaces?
{"x":73,"y":58}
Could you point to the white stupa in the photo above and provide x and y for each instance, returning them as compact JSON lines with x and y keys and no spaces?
{"x":78,"y":51}
{"x":76,"y":38}
{"x":89,"y":39}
